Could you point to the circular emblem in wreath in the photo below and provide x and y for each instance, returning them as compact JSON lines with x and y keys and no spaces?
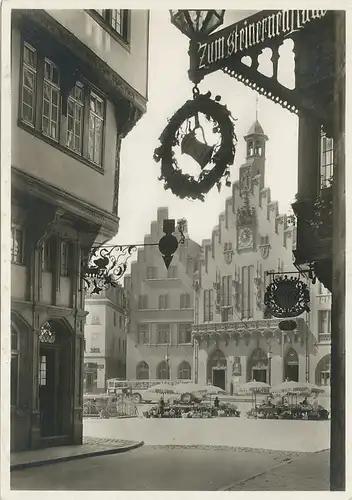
{"x":220,"y":157}
{"x":287,"y":297}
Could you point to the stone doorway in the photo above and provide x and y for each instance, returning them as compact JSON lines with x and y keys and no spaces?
{"x":55,"y":380}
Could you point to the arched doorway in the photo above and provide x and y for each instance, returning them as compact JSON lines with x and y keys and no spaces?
{"x":257,"y":366}
{"x":216,"y":372}
{"x":55,"y":379}
{"x":163,"y":371}
{"x":323,"y":371}
{"x":142,"y":371}
{"x":291,"y":366}
{"x":184,"y":371}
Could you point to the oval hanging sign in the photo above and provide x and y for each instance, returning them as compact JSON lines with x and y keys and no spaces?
{"x":287,"y":297}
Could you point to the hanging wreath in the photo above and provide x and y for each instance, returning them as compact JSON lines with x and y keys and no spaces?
{"x":185,"y":185}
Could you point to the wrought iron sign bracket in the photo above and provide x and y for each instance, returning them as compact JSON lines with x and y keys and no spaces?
{"x":105,"y":265}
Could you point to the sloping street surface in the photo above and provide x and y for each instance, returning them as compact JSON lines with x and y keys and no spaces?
{"x":178,"y":468}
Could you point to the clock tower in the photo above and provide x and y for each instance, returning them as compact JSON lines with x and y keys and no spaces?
{"x":255,"y":157}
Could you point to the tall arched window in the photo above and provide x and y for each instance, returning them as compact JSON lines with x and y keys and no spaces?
{"x":250,"y":148}
{"x":184,"y":371}
{"x":323,"y":371}
{"x":14,"y":364}
{"x":142,"y":371}
{"x":163,"y":371}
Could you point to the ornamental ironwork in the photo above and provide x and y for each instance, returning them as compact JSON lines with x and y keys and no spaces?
{"x":105,"y":265}
{"x":287,"y":297}
{"x":46,"y":334}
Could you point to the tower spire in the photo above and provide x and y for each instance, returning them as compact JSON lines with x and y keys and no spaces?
{"x":256,"y":107}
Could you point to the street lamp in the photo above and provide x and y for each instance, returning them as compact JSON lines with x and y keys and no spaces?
{"x":193,"y":23}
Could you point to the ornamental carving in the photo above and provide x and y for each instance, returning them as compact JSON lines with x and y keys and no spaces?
{"x":287,"y":297}
{"x":228,"y":252}
{"x":245,"y":214}
{"x":258,"y":292}
{"x":264,"y":246}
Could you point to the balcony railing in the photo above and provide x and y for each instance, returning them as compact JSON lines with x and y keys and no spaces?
{"x":240,"y":328}
{"x":324,"y":337}
{"x":324,"y":299}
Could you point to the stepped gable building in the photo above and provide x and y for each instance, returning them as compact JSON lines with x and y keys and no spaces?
{"x":105,"y":343}
{"x":159,"y":341}
{"x":234,"y":340}
{"x":75,"y":95}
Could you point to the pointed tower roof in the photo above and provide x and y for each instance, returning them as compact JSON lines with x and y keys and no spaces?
{"x":256,"y":128}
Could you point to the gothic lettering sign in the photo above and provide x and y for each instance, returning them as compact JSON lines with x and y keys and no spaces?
{"x":287,"y":297}
{"x":258,"y":30}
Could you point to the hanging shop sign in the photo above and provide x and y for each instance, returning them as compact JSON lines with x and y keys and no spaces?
{"x":219,"y":156}
{"x":258,"y":30}
{"x":287,"y":297}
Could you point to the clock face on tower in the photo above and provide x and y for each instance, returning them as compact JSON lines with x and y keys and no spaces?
{"x":245,"y":238}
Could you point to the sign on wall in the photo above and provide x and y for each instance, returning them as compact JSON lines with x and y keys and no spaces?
{"x":255,"y":31}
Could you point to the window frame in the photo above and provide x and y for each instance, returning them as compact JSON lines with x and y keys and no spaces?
{"x":326,"y":168}
{"x":36,"y":128}
{"x":103,"y":19}
{"x":17,"y":227}
{"x":161,"y":329}
{"x":64,"y":267}
{"x":15,"y":353}
{"x":181,"y":370}
{"x":187,"y":328}
{"x":143,"y":331}
{"x":82,"y":104}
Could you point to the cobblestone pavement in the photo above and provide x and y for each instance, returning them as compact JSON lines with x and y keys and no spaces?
{"x":309,"y":472}
{"x":157,"y":468}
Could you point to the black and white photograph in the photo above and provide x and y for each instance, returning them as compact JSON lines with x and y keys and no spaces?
{"x":173,"y":249}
